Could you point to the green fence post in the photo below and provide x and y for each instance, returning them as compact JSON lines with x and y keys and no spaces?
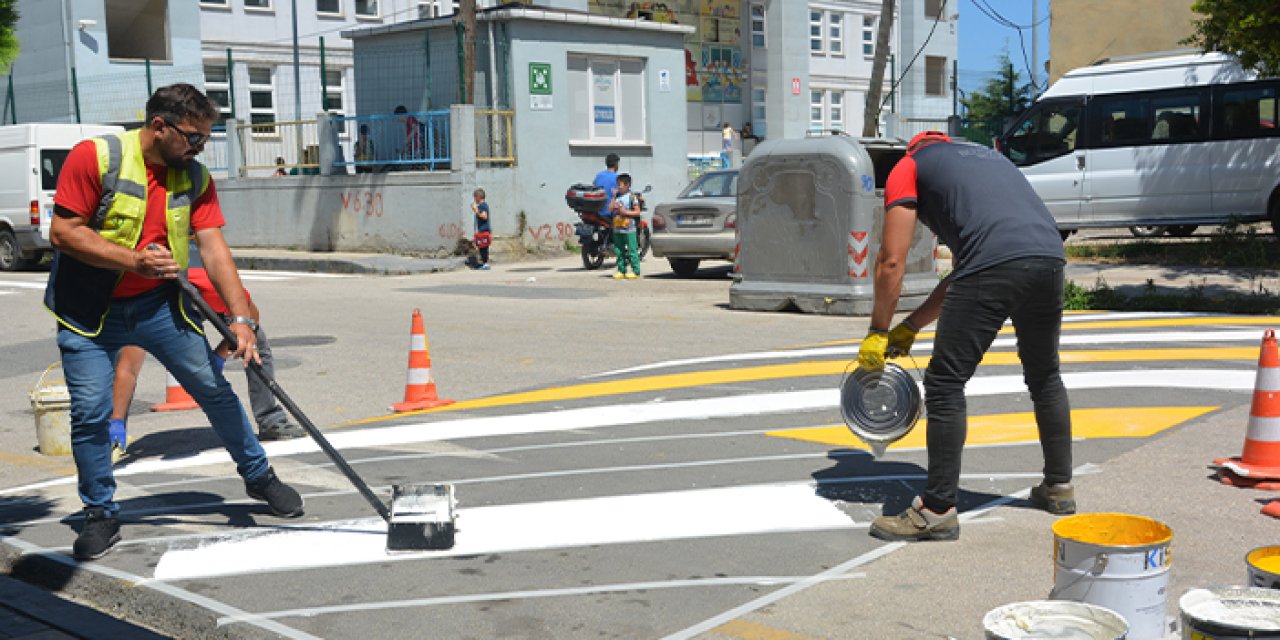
{"x":12,"y":102}
{"x":231,"y":83}
{"x":75,"y":92}
{"x":324,"y":81}
{"x":426,"y":59}
{"x":462,"y":63}
{"x":149,"y":89}
{"x":504,"y":44}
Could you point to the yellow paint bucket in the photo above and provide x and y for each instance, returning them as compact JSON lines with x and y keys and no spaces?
{"x":51,"y":403}
{"x":1117,"y":561}
{"x":1264,"y":567}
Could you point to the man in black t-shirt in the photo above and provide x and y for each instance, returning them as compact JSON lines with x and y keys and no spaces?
{"x":1007,"y":263}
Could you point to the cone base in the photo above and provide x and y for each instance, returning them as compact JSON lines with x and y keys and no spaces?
{"x":175,"y":406}
{"x":1272,"y":509}
{"x":1244,"y":474}
{"x":401,"y":407}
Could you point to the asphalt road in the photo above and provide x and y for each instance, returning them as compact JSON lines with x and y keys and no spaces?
{"x":631,"y":458}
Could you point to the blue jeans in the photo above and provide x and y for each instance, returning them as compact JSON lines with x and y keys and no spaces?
{"x":1029,"y":292}
{"x":153,"y":322}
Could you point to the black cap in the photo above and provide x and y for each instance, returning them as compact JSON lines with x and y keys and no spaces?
{"x":611,"y":160}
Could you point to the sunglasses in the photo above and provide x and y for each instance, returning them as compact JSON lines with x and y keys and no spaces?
{"x":194,"y":138}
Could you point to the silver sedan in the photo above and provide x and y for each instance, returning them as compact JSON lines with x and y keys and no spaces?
{"x":699,"y":224}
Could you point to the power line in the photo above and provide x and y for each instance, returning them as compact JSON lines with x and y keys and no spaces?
{"x":942,"y":11}
{"x":995,"y":16}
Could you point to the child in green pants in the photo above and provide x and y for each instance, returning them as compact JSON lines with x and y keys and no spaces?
{"x":626,"y":220}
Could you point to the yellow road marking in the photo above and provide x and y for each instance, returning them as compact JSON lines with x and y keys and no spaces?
{"x":801,"y":370}
{"x":1198,"y":321}
{"x":743,"y":630}
{"x":1006,"y":428}
{"x":61,"y":466}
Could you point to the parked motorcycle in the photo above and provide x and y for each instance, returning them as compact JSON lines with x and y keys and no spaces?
{"x":594,"y":232}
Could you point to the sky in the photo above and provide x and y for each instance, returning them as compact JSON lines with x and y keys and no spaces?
{"x":982,"y":39}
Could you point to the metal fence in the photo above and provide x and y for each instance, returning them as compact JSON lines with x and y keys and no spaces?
{"x":397,"y":142}
{"x":290,"y":146}
{"x":495,"y":139}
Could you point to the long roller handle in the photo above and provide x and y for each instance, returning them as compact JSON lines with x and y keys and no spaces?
{"x":191,"y":292}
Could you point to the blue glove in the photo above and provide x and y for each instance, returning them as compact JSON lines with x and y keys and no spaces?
{"x":119,"y":438}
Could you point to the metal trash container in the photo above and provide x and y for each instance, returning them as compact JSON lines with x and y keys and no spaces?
{"x":810,"y":220}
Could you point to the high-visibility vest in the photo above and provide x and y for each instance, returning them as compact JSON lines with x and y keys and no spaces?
{"x":79,"y":294}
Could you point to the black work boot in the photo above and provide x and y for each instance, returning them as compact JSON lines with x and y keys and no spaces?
{"x":99,"y":534}
{"x":284,"y":430}
{"x":1058,"y":499}
{"x":283,"y":500}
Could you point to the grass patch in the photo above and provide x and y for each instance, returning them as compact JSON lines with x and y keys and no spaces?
{"x":1152,"y":298}
{"x":1232,"y":246}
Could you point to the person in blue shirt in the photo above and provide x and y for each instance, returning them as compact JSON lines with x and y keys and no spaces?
{"x":483,"y":237}
{"x":608,"y":180}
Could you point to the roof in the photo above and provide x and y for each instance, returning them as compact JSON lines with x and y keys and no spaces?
{"x":518,"y":11}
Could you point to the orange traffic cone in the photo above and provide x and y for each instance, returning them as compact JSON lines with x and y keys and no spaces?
{"x":1260,"y":460}
{"x":419,"y":388}
{"x":1272,"y":509}
{"x":175,"y":397}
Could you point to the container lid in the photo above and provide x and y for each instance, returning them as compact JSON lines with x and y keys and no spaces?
{"x":1233,"y":609}
{"x":880,"y":407}
{"x":1054,"y":619}
{"x":51,"y":394}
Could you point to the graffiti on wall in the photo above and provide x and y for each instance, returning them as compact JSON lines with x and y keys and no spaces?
{"x":362,"y":203}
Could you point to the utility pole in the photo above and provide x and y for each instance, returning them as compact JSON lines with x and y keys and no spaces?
{"x":297,"y":72}
{"x":871,"y":114}
{"x":467,"y":19}
{"x":1035,"y":45}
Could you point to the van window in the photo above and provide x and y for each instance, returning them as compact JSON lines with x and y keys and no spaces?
{"x":1177,"y":117}
{"x":1124,"y":121}
{"x":50,"y":166}
{"x":1049,"y":131}
{"x":1246,"y":112}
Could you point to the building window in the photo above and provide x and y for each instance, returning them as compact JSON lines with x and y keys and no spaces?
{"x":137,"y":29}
{"x":758,"y":112}
{"x":428,"y":9}
{"x":329,"y":7}
{"x":218,"y":88}
{"x":367,"y":9}
{"x":815,"y":32}
{"x":262,"y":102}
{"x":815,"y":110}
{"x":608,"y":100}
{"x":933,"y":9}
{"x":333,"y":94}
{"x":935,"y":76}
{"x":835,"y":33}
{"x":258,"y":4}
{"x":868,"y":36}
{"x":757,"y":26}
{"x":835,"y":110}
{"x":214,"y":3}
{"x":826,"y":110}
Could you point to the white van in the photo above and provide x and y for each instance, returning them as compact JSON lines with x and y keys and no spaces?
{"x":1163,"y":144}
{"x":31,"y":155}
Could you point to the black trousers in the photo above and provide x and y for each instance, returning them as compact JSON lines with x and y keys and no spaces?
{"x":1029,"y":292}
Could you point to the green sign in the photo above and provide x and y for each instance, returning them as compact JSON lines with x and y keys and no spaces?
{"x":540,"y":78}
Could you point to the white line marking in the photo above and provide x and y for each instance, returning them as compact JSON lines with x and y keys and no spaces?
{"x":763,"y":581}
{"x":284,"y":275}
{"x":220,"y":608}
{"x":925,"y":347}
{"x":648,"y":412}
{"x":18,"y":284}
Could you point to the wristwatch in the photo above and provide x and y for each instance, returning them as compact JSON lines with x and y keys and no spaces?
{"x":247,"y":321}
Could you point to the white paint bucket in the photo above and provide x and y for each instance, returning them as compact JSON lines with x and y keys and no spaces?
{"x":51,"y":402}
{"x":1117,"y":561}
{"x":1264,"y":567}
{"x":1230,"y":613}
{"x":1058,"y":619}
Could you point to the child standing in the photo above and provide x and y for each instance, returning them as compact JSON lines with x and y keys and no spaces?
{"x":626,"y":218}
{"x":483,"y":237}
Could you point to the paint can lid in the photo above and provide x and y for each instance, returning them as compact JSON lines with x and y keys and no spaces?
{"x":1232,"y":610}
{"x":880,"y":407}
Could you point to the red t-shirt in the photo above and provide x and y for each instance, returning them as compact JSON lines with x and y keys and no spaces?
{"x":80,"y":188}
{"x":200,"y":278}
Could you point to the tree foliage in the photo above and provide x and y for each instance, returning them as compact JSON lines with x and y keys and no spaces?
{"x":8,"y":38}
{"x":1248,"y":29}
{"x":1001,"y":96}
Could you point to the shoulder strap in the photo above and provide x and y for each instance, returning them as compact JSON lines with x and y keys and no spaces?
{"x":109,"y":182}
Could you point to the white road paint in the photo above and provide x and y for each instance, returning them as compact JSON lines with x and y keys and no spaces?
{"x":22,"y":284}
{"x":268,"y":276}
{"x":646,"y":517}
{"x":648,"y":412}
{"x":926,"y":347}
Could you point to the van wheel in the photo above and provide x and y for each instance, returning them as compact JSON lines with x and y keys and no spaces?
{"x":10,"y":253}
{"x":1182,"y":230}
{"x":1147,"y":231}
{"x":684,"y":267}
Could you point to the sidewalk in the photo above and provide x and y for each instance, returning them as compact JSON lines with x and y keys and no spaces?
{"x":28,"y":612}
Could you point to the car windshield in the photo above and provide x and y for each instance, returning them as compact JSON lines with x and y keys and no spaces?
{"x":721,"y":184}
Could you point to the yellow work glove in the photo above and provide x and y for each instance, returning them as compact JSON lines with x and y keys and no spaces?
{"x":871,"y":354}
{"x":901,"y":338}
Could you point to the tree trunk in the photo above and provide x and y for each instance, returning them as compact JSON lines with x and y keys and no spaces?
{"x":467,"y":17}
{"x":871,"y":114}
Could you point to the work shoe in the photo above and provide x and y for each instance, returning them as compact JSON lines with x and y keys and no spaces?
{"x":632,"y":276}
{"x":618,"y":276}
{"x":917,"y":523}
{"x":283,"y":500}
{"x":1058,"y":499}
{"x":483,"y":267}
{"x":280,"y":431}
{"x":100,"y":533}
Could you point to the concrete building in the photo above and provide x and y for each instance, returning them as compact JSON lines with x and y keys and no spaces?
{"x":96,"y":60}
{"x":1085,"y":31}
